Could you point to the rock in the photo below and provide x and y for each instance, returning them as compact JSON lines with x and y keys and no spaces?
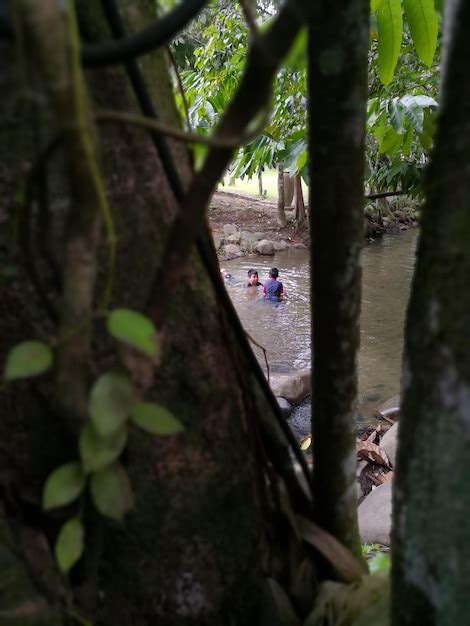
{"x":232,"y":251}
{"x":258,"y":236}
{"x":300,"y":246}
{"x":285,"y":406}
{"x":388,"y":443}
{"x":400,"y":215}
{"x":234,"y":238}
{"x":293,"y":387}
{"x":265,"y":247}
{"x":217,"y":237}
{"x":253,"y":237}
{"x":392,"y":403}
{"x":280,"y":245}
{"x":375,"y":515}
{"x":230,"y":229}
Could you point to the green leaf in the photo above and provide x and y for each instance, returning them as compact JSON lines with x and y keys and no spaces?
{"x":135,"y":329}
{"x":63,"y":486}
{"x":380,"y":562}
{"x":423,"y":23}
{"x":390,"y":26}
{"x":69,"y":544}
{"x":391,"y":142}
{"x":296,"y":59}
{"x":111,"y":399}
{"x":396,"y":115}
{"x":155,"y":419}
{"x":96,"y":452}
{"x":111,"y":492}
{"x":414,"y":112}
{"x":375,"y":5}
{"x":28,"y":358}
{"x":406,"y":147}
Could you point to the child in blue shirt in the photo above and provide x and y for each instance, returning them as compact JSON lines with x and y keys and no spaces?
{"x":273,"y":289}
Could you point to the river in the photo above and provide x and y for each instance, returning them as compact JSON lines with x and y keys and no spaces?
{"x":284,"y":329}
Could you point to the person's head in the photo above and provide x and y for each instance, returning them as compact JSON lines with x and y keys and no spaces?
{"x":273,"y":272}
{"x":252,"y":277}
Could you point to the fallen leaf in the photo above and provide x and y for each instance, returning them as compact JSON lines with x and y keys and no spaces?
{"x":372,"y":452}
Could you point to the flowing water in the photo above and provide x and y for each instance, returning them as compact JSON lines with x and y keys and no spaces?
{"x":284,"y":329}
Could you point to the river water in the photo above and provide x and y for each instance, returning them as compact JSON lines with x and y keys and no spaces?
{"x":284,"y":329}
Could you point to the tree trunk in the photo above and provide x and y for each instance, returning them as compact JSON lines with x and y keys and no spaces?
{"x":338,"y":41}
{"x":288,"y":189}
{"x":189,"y":551}
{"x":260,"y":183}
{"x":431,"y":531}
{"x":299,"y":205}
{"x":281,"y":213}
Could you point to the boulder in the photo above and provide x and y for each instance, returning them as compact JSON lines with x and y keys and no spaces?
{"x":285,"y":406}
{"x":388,"y":443}
{"x":280,"y":245}
{"x":230,"y":229}
{"x":400,"y":215}
{"x":217,"y":237}
{"x":252,"y":237}
{"x":265,"y":247}
{"x":233,"y":238}
{"x":375,"y":515}
{"x":391,"y":407}
{"x":293,"y":387}
{"x":232,"y":251}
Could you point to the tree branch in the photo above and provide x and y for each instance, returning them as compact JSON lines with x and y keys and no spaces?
{"x":156,"y":35}
{"x":181,"y":135}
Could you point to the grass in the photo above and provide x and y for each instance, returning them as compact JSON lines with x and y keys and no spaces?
{"x":250,"y":187}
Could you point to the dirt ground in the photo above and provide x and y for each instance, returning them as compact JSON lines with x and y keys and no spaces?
{"x":254,"y":215}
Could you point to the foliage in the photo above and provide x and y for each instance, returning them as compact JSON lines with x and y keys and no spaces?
{"x":401,"y":117}
{"x":29,"y":358}
{"x":112,"y":408}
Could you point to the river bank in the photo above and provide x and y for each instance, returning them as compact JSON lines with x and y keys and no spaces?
{"x":243,"y":224}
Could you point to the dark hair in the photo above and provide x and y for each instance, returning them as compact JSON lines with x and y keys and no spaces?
{"x":274,"y":272}
{"x":251,"y":272}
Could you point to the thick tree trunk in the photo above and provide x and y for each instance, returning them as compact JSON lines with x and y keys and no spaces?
{"x":281,"y":201}
{"x":431,"y":530}
{"x":338,"y":40}
{"x":189,"y":551}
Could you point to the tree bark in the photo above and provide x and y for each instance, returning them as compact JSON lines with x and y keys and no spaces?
{"x":281,"y":212}
{"x":299,"y":205}
{"x":189,"y":552}
{"x":288,"y":189}
{"x":431,"y":533}
{"x":338,"y":41}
